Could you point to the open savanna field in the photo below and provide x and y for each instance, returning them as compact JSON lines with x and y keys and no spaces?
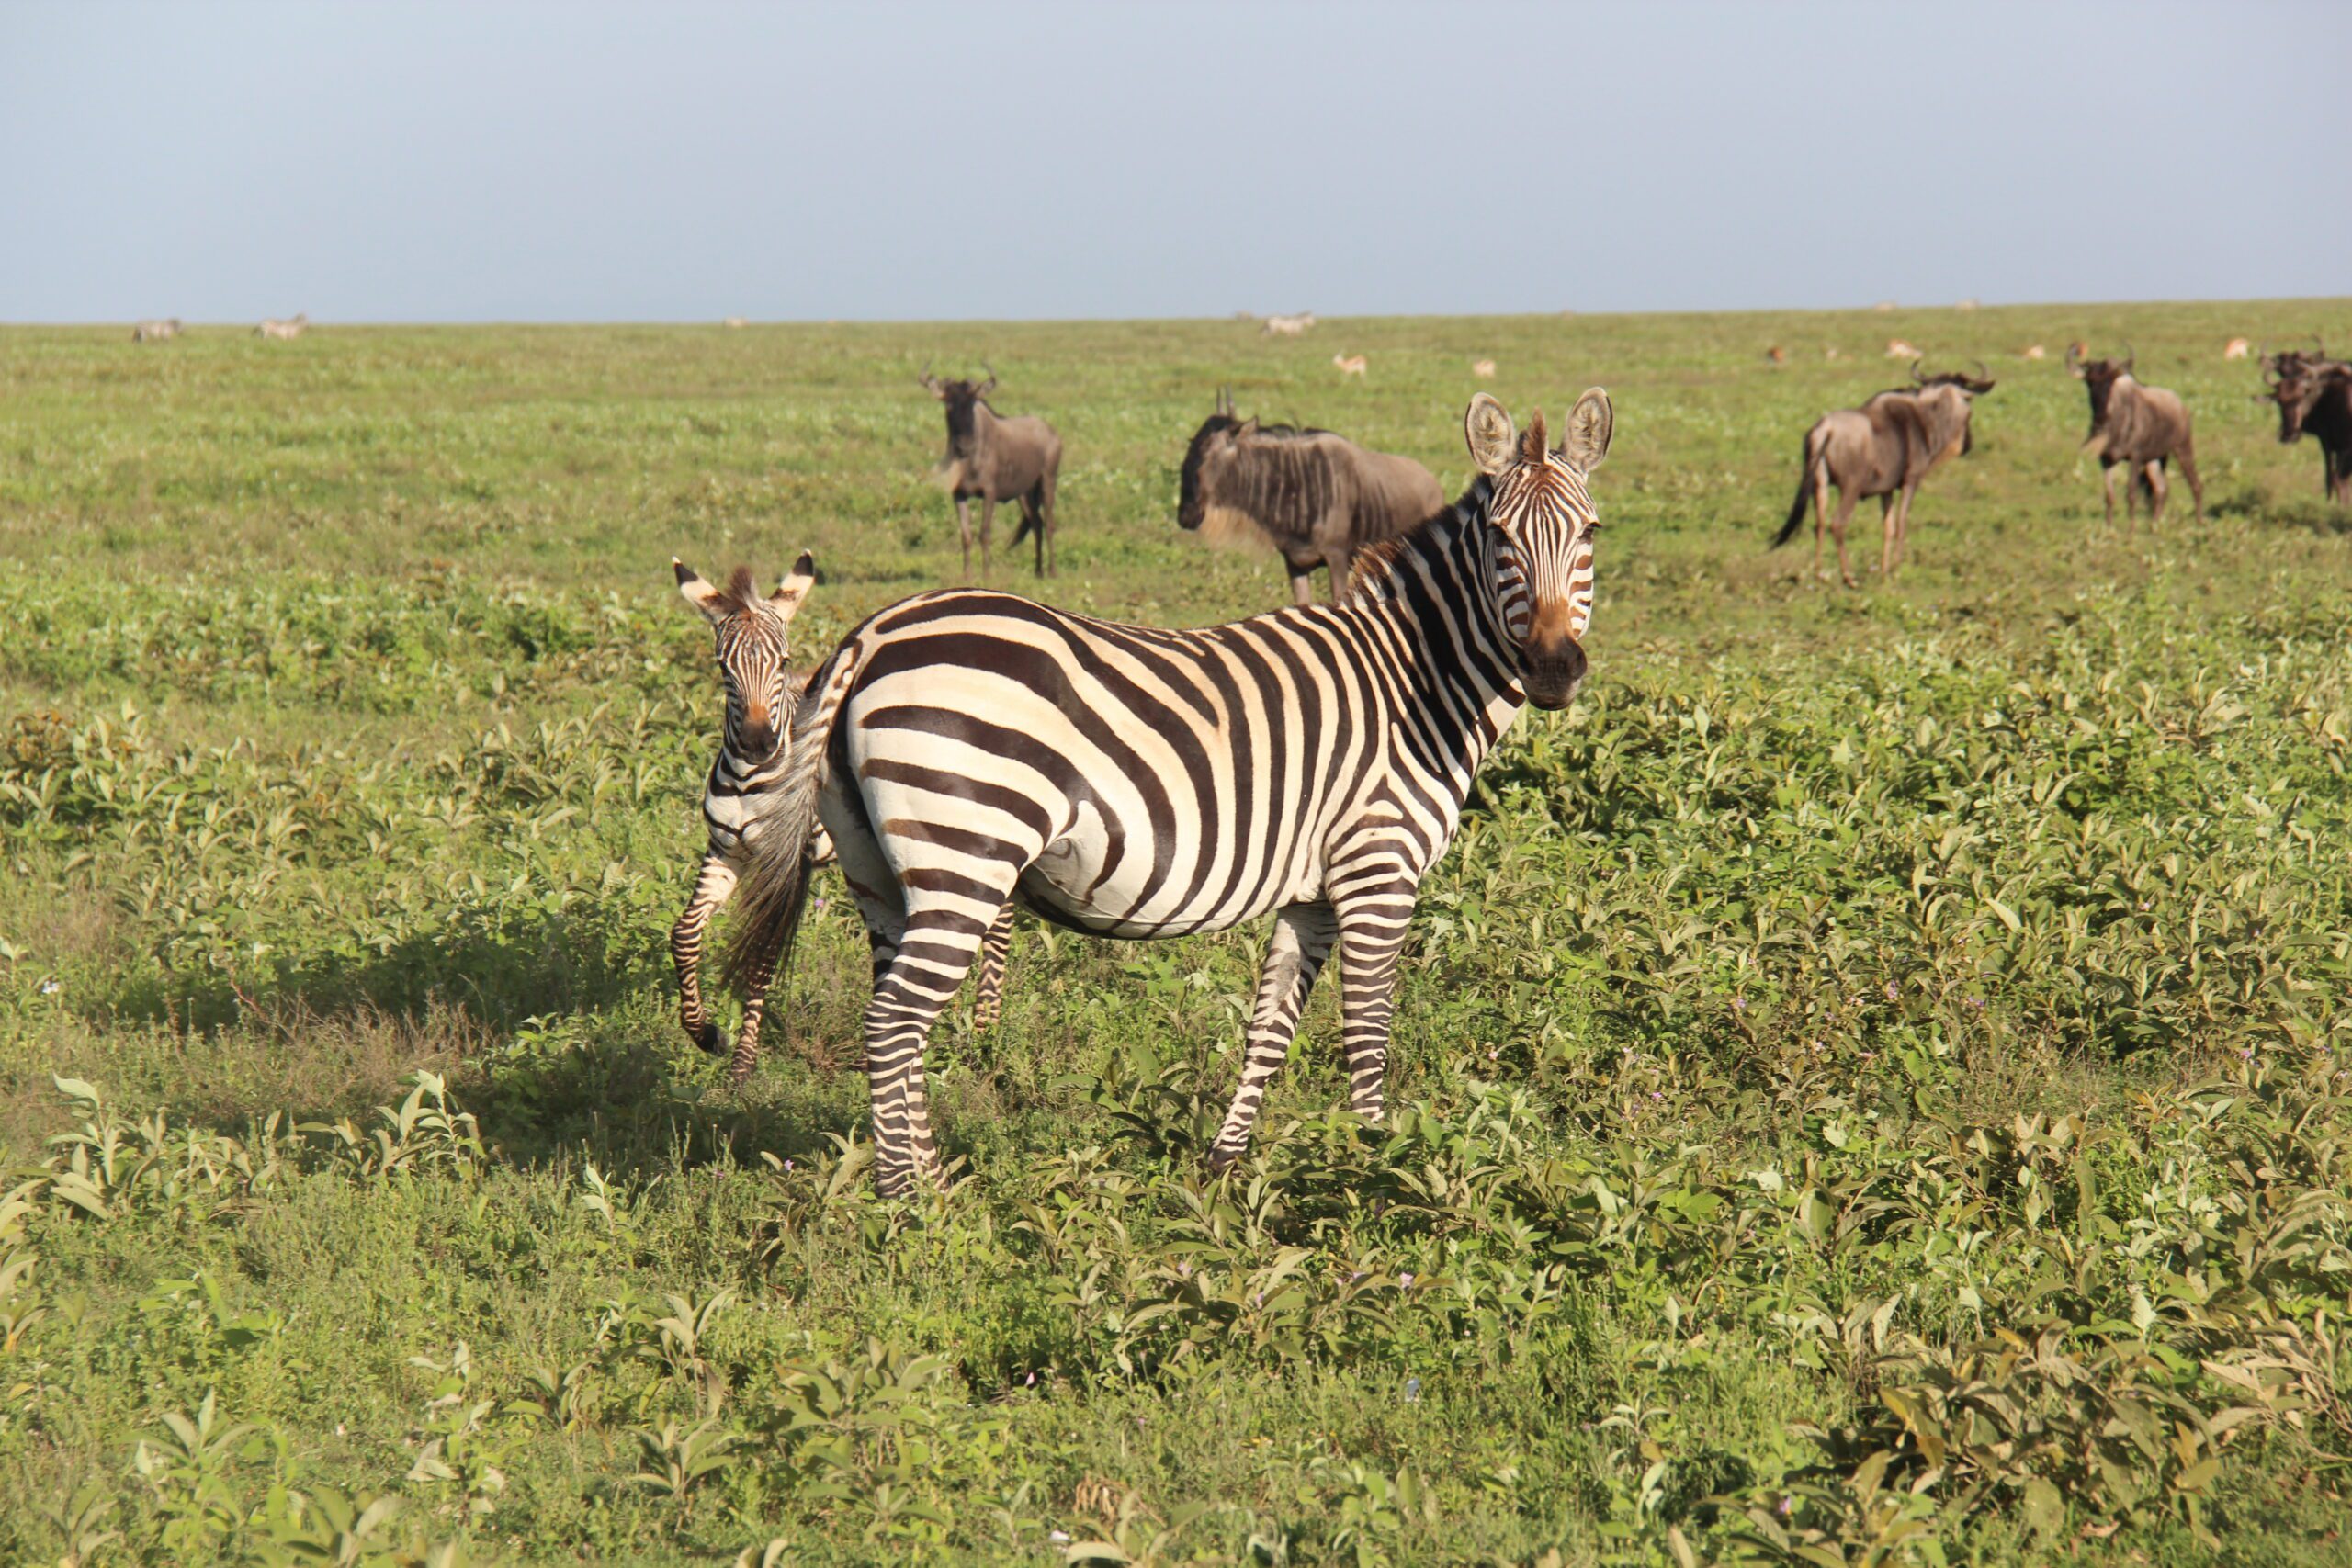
{"x":1866,"y":1079}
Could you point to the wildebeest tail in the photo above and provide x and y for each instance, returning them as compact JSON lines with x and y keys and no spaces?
{"x":1804,"y":493}
{"x":774,"y":886}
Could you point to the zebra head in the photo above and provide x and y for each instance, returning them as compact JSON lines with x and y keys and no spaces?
{"x":1540,"y":537}
{"x":749,"y":632}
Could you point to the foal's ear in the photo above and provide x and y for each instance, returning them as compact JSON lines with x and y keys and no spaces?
{"x":1589,"y":425}
{"x":700,"y":594}
{"x":795,"y":587}
{"x":1490,"y":432}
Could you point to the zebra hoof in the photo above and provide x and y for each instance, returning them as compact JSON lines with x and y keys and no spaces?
{"x":712,"y":1041}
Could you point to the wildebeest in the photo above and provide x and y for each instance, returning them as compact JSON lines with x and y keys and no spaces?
{"x":997,"y":459}
{"x":1314,"y":497}
{"x":2236,"y":348}
{"x":1287,"y":326}
{"x":156,"y":331}
{"x":1349,"y":363}
{"x":2137,"y":429}
{"x":1483,"y":368}
{"x":1886,"y":448}
{"x":293,"y":327}
{"x":2314,"y":394}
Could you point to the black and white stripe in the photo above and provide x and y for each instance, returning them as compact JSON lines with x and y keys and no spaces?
{"x":969,"y":749}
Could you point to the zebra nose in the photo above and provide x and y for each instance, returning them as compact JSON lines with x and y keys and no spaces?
{"x":758,"y":738}
{"x":1552,"y":670}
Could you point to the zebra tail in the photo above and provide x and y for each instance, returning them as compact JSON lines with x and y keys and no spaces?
{"x":1804,"y":493}
{"x":774,"y":886}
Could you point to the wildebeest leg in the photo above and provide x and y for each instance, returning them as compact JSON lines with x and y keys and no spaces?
{"x":987,"y":526}
{"x":712,"y":888}
{"x":1820,"y":514}
{"x":964,"y":526}
{"x":1838,"y":531}
{"x":2187,"y":456}
{"x":1046,"y":489}
{"x":1302,"y":583}
{"x":2156,"y":491}
{"x":1337,"y":562}
{"x":2107,"y":472}
{"x":1903,"y":522}
{"x":1889,"y":517}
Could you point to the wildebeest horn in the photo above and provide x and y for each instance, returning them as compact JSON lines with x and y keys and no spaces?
{"x":2130,"y":354}
{"x":1916,"y":380}
{"x":925,"y":380}
{"x":985,"y":387}
{"x":1225,"y":402}
{"x":1982,"y":373}
{"x":2074,"y":353}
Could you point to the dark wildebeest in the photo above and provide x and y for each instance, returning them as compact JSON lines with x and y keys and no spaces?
{"x":1886,"y":448}
{"x":2137,"y":429}
{"x":997,"y":459}
{"x":2314,"y":393}
{"x":1315,"y":497}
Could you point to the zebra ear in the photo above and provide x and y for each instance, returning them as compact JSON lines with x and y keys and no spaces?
{"x":1590,"y":423}
{"x":795,"y":585}
{"x":700,"y":594}
{"x":1492,"y":437}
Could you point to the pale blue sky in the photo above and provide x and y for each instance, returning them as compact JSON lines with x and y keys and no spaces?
{"x":587,"y":162}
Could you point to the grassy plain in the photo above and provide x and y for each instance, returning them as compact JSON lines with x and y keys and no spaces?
{"x":1868,"y":1074}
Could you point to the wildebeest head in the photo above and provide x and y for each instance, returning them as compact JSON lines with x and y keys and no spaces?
{"x":2100,"y":375}
{"x":749,"y":632}
{"x":961,"y":398}
{"x":1544,"y":527}
{"x":2296,"y":380}
{"x":1207,"y":459}
{"x":1970,"y":387}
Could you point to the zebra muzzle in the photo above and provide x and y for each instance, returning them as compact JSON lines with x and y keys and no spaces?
{"x":1551,"y":669}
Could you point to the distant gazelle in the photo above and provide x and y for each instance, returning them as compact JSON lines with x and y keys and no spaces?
{"x":1900,"y":348}
{"x":735,"y":321}
{"x":2034,"y":350}
{"x":1287,"y":326}
{"x":1349,"y":363}
{"x":156,"y":331}
{"x":292,"y":328}
{"x":2236,"y":348}
{"x":1483,"y":368}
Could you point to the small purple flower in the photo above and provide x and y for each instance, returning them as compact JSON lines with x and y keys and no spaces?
{"x":1786,"y":1503}
{"x":1739,"y":1004}
{"x":1890,"y":992}
{"x":1031,"y":1381}
{"x":787,"y":1165}
{"x":1976,"y":1002}
{"x":1404,"y":1281}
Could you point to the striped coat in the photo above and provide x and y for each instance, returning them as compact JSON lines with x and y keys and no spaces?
{"x":966,"y":749}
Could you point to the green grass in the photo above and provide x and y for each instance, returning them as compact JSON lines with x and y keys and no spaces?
{"x":1866,"y":1076}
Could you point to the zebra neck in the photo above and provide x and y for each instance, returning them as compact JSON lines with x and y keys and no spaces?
{"x":1437,"y":633}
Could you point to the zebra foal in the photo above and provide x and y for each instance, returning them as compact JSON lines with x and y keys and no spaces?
{"x":742,"y":788}
{"x":967,"y":748}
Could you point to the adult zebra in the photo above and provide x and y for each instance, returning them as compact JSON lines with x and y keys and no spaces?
{"x":750,"y":631}
{"x":964,"y":746}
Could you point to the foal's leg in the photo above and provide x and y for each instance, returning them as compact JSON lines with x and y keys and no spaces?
{"x":996,"y":953}
{"x":712,"y":888}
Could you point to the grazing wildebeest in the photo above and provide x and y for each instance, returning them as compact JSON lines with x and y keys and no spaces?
{"x":2314,"y":394}
{"x":1287,"y":326}
{"x":293,"y":327}
{"x":997,"y":459}
{"x":1315,"y":497}
{"x":1351,"y":364}
{"x":1886,"y":448}
{"x":156,"y":331}
{"x":2137,"y":429}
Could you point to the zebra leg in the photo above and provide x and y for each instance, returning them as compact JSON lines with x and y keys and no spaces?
{"x":963,"y":528}
{"x":712,"y":888}
{"x":933,"y":954}
{"x":1373,"y":922}
{"x":1303,"y":937}
{"x":996,"y":953}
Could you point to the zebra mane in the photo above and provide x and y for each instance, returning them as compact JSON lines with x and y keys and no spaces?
{"x":1375,"y":564}
{"x":742,"y":594}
